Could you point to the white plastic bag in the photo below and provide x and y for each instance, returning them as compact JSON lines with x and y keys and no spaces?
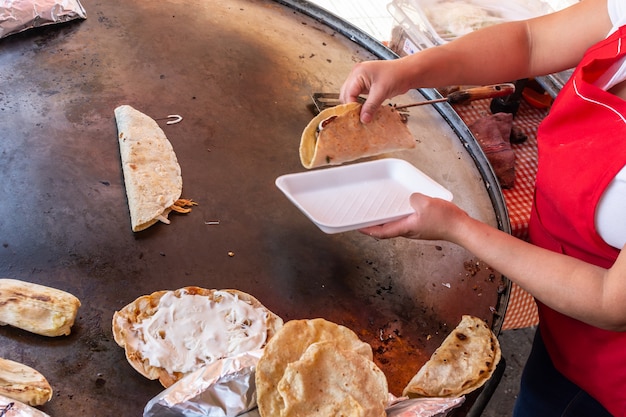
{"x":19,"y":15}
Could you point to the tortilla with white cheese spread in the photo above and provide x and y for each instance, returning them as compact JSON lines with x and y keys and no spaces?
{"x":169,"y":334}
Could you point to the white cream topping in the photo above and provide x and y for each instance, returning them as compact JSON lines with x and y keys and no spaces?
{"x":189,"y":331}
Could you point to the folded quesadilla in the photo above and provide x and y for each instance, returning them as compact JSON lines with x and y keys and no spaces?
{"x":337,"y":135}
{"x":151,"y":172}
{"x":465,"y":360}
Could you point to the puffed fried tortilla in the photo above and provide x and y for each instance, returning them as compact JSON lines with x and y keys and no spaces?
{"x":152,"y":175}
{"x":337,"y":135}
{"x":287,"y":347}
{"x":329,"y":381}
{"x":169,"y":334}
{"x":463,"y":363}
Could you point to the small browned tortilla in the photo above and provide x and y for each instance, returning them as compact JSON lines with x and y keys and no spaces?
{"x":316,"y":368}
{"x":465,"y":360}
{"x":337,"y":135}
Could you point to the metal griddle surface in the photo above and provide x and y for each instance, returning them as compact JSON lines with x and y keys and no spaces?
{"x":241,"y":74}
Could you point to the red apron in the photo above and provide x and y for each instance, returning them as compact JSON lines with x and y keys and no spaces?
{"x":582,"y":146}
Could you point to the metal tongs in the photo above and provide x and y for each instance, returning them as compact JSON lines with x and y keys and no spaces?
{"x":6,"y":409}
{"x":325,"y":100}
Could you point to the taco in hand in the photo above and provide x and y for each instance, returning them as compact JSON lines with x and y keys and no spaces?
{"x":337,"y":135}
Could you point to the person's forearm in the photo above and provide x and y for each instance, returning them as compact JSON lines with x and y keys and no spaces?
{"x":511,"y":51}
{"x":594,"y":295}
{"x":492,"y":55}
{"x":568,"y":285}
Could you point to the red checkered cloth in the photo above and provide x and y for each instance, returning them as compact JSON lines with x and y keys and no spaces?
{"x":519,"y":198}
{"x":522,"y":310}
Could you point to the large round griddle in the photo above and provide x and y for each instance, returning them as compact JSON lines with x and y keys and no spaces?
{"x":241,"y":74}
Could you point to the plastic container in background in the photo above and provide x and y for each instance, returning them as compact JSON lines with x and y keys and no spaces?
{"x":421,"y":24}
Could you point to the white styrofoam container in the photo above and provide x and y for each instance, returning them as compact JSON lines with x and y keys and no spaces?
{"x":355,"y":196}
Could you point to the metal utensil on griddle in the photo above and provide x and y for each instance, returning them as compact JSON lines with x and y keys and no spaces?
{"x":325,"y":100}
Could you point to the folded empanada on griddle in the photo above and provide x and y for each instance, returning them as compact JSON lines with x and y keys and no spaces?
{"x":23,"y":383}
{"x":337,"y":135}
{"x":465,"y":360}
{"x":151,"y":171}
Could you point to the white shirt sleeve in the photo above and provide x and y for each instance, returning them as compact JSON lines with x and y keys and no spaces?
{"x":617,"y":13}
{"x":610,"y":212}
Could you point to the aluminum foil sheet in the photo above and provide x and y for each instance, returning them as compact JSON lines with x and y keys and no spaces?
{"x":19,"y":15}
{"x":13,"y":408}
{"x":424,"y":407}
{"x":224,"y":388}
